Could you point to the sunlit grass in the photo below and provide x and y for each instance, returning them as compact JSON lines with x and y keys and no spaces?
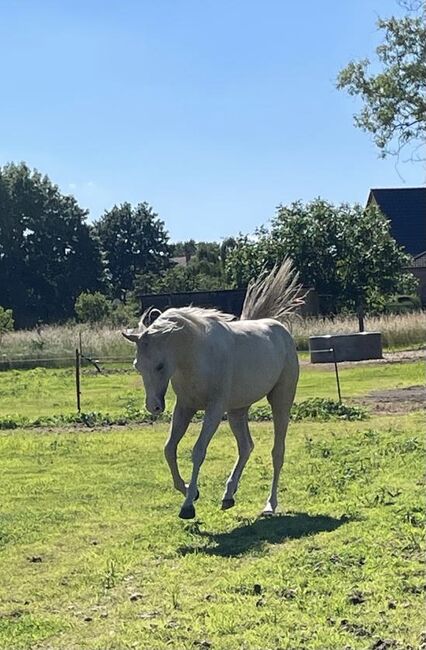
{"x":41,"y":392}
{"x":93,"y":555}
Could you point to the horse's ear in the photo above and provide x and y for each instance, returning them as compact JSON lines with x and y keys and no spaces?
{"x":149,"y":316}
{"x":131,"y":335}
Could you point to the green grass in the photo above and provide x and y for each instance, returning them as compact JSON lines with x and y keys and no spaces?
{"x":93,"y":555}
{"x":43,"y":392}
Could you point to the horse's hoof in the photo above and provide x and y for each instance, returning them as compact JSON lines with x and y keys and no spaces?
{"x":187,"y":512}
{"x":268,"y":511}
{"x":228,"y":503}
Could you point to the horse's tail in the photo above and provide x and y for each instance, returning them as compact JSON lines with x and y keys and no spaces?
{"x":276,"y":294}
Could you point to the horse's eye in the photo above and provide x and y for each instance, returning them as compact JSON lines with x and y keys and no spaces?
{"x":159,"y":367}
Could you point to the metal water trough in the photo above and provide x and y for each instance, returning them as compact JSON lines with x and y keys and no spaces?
{"x":359,"y":346}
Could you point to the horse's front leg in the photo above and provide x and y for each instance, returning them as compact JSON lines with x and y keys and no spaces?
{"x":180,"y":422}
{"x":212,"y":418}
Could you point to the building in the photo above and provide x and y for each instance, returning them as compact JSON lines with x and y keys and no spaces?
{"x":227,"y":300}
{"x":405,"y":207}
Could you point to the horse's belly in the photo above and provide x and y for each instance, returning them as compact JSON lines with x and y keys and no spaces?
{"x":245,"y":395}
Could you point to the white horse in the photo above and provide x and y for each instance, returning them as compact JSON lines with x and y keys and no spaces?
{"x":220,"y":365}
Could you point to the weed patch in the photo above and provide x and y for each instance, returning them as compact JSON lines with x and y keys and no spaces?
{"x":313,"y":409}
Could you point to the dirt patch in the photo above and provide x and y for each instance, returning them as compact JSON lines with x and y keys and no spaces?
{"x":395,"y":400}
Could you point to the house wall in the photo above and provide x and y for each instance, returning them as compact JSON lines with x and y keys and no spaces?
{"x":419,"y":272}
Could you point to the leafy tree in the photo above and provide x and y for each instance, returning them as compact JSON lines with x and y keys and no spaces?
{"x":226,"y":246}
{"x":344,"y":252}
{"x":47,"y":254}
{"x":184,"y":249}
{"x":133,"y":241}
{"x":394,"y":98}
{"x":203,"y":272}
{"x":92,"y":307}
{"x":247,"y":258}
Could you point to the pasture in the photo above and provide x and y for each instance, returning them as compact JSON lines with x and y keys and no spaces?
{"x":49,"y":391}
{"x":93,"y":555}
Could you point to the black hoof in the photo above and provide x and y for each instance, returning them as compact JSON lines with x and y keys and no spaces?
{"x":228,"y":503}
{"x":187,"y":513}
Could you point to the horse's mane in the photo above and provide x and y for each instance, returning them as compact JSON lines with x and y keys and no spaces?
{"x":176,"y":318}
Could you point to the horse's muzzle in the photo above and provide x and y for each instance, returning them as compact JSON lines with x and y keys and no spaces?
{"x":155,"y":405}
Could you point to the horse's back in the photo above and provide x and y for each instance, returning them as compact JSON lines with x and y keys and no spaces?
{"x":263,"y":350}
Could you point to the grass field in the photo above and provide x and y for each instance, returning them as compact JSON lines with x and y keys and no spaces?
{"x":93,"y":555}
{"x":40,"y":392}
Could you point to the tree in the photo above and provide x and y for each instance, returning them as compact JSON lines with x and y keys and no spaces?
{"x":203,"y":271}
{"x":346,"y":253}
{"x":47,"y":254}
{"x":133,"y":241}
{"x":92,"y":307}
{"x":247,"y":258}
{"x":184,"y":249}
{"x":394,"y":110}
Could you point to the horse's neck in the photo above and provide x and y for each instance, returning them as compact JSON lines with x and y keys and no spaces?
{"x":185,"y":349}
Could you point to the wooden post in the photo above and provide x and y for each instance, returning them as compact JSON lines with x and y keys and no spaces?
{"x":337,"y":375}
{"x":77,"y":379}
{"x":360,"y":314}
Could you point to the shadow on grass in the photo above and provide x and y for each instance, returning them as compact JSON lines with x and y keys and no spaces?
{"x":252,"y":536}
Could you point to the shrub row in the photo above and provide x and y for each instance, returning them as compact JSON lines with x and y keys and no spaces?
{"x":310,"y":409}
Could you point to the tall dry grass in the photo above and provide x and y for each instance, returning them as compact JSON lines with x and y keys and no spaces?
{"x":398,"y":331}
{"x":55,"y":345}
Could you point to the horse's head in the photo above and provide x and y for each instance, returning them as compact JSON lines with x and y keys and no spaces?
{"x":154,"y":360}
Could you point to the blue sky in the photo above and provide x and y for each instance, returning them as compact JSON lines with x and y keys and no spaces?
{"x":212,"y":111}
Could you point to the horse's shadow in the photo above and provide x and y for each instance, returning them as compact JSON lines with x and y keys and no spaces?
{"x":252,"y":536}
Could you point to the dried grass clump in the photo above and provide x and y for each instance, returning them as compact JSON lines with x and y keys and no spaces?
{"x":54,"y":345}
{"x":398,"y":331}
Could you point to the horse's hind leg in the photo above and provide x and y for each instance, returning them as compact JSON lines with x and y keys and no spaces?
{"x":238,"y":421}
{"x":280,"y":398}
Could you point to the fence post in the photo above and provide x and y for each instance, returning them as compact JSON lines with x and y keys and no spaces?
{"x":77,"y":379}
{"x":337,"y":375}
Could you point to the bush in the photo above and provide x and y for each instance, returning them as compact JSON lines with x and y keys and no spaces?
{"x":123,"y":315}
{"x":6,"y":320}
{"x":92,"y":307}
{"x":402,"y":305}
{"x":317,"y":409}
